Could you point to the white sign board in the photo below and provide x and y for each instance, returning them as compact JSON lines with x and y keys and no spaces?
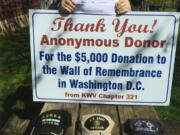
{"x":103,"y":58}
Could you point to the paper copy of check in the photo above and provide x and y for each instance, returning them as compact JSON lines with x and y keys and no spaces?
{"x":96,"y":6}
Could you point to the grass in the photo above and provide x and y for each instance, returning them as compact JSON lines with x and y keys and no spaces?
{"x":172,"y":112}
{"x":15,"y":77}
{"x":15,"y":63}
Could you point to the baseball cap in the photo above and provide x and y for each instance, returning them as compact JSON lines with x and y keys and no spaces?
{"x":143,"y":127}
{"x":96,"y":124}
{"x":53,"y":122}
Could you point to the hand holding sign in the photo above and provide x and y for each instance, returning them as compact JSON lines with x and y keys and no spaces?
{"x":68,"y":5}
{"x":96,"y":6}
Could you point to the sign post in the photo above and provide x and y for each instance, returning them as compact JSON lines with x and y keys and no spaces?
{"x":106,"y":59}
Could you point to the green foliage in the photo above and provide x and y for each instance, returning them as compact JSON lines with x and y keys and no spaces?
{"x":1,"y":108}
{"x":19,"y":105}
{"x":161,"y":1}
{"x":155,"y":5}
{"x":15,"y":61}
{"x":171,"y":112}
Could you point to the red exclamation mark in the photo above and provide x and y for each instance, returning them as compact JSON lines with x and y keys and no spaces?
{"x":154,"y":24}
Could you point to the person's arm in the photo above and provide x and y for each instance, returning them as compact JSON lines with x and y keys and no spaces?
{"x":121,"y":7}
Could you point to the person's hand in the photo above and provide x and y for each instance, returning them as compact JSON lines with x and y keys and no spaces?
{"x":68,"y":5}
{"x":123,"y":6}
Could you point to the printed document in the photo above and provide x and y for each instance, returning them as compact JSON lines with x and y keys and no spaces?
{"x":96,"y":6}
